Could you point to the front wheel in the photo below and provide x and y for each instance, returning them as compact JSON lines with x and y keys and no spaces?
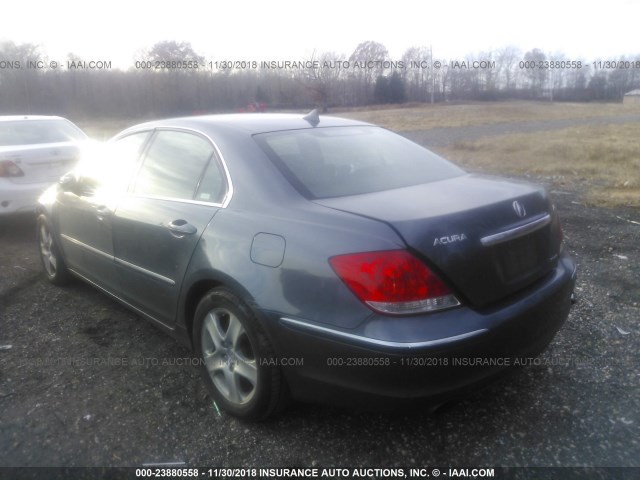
{"x":236,"y":357}
{"x":52,"y":261}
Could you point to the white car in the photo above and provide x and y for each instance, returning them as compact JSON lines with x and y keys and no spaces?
{"x":34,"y":152}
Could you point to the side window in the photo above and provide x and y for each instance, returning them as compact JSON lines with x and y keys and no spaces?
{"x":108,"y":167}
{"x":212,"y":186}
{"x":174,"y":165}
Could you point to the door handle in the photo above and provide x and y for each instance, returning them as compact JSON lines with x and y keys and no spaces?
{"x":182,"y":227}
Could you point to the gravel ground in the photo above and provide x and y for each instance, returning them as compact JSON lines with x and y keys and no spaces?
{"x":60,"y":405}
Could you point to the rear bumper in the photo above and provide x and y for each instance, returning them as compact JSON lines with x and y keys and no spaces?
{"x":432,"y":357}
{"x":18,"y":198}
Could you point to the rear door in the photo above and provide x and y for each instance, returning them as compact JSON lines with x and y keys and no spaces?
{"x":178,"y":190}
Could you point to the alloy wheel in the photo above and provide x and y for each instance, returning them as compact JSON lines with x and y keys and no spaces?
{"x":229,"y":356}
{"x":46,"y":251}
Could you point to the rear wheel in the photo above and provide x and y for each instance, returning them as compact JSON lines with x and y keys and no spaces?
{"x":52,"y":261}
{"x":238,"y":365}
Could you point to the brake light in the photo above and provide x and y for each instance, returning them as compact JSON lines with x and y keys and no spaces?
{"x":393,"y":282}
{"x":10,"y":169}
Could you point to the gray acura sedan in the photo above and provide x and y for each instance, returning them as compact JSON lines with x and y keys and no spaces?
{"x":313,"y":258}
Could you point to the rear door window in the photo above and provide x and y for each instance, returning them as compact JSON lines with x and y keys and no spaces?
{"x":175,"y":165}
{"x":212,"y":187}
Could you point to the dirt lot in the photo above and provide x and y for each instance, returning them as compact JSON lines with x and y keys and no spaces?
{"x":84,"y":382}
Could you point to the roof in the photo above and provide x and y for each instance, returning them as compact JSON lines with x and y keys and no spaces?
{"x":633,"y":92}
{"x":247,"y":123}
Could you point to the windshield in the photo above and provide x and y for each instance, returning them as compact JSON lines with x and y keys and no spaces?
{"x":33,"y":132}
{"x":337,"y":161}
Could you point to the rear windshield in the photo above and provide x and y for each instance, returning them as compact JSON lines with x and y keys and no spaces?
{"x":33,"y":132}
{"x":337,"y":161}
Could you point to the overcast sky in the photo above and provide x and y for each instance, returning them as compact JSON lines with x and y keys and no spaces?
{"x":291,"y":30}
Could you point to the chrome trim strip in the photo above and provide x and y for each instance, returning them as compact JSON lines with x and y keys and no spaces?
{"x":380,"y":343}
{"x":157,"y":276}
{"x":229,"y":194}
{"x":88,"y":247}
{"x":516,"y":232}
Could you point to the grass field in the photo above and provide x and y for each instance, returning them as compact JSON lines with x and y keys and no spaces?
{"x":444,"y":115}
{"x":601,"y":161}
{"x":604,"y":159}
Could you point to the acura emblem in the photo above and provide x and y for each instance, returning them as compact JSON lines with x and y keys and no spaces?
{"x":519,"y":209}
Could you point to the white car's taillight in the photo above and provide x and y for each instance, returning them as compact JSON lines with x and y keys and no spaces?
{"x":10,"y":169}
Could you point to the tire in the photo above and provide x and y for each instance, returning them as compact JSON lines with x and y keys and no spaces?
{"x":53,"y":263}
{"x":237,"y":358}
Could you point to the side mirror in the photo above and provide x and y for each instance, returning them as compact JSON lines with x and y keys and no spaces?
{"x":71,"y":183}
{"x":68,"y":182}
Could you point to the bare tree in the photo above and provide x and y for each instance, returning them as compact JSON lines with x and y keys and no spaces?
{"x":172,"y":91}
{"x":29,"y":85}
{"x":171,"y":50}
{"x":323,"y":77}
{"x":19,"y":84}
{"x":507,"y":63}
{"x":621,"y":80}
{"x":534,"y":73}
{"x":367,"y":63}
{"x":556,"y":76}
{"x":417,"y":73}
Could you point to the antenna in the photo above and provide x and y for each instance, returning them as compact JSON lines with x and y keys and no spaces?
{"x":313,"y":117}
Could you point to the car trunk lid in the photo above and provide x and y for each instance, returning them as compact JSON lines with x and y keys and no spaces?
{"x":488,"y":237}
{"x":41,"y":163}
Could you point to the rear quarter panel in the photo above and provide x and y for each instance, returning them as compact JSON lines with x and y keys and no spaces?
{"x":303,"y":285}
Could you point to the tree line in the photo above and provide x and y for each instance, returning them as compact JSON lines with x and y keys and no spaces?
{"x":172,"y":79}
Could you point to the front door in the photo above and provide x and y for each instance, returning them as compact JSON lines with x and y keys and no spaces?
{"x":85,"y":207}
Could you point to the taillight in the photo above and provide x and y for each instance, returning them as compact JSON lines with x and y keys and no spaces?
{"x":393,"y":281}
{"x":10,"y":169}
